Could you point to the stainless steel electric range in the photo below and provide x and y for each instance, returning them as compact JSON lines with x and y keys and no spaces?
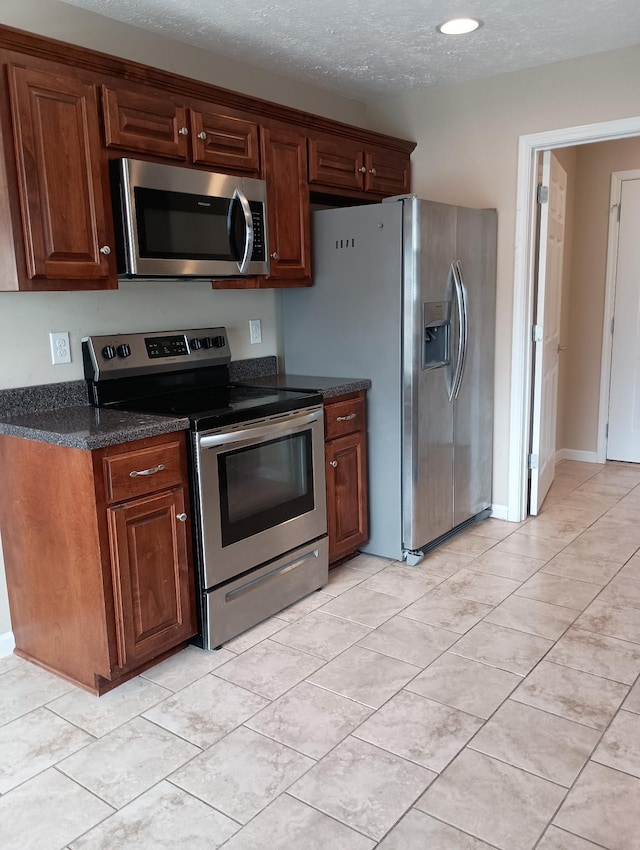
{"x":256,"y":466}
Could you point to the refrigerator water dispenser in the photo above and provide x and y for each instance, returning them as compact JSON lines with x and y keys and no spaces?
{"x":436,"y":336}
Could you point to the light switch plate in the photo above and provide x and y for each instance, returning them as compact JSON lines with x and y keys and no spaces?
{"x":255,"y":331}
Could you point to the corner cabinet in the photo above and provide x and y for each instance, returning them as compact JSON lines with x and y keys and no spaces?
{"x":97,"y":555}
{"x":346,"y":471}
{"x":65,"y":230}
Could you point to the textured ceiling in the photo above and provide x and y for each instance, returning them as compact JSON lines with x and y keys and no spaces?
{"x":367,"y":48}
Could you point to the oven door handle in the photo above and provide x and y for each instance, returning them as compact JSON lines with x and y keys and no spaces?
{"x":287,"y":425}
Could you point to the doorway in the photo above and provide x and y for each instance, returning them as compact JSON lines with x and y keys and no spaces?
{"x":524,"y":277}
{"x":620,"y":374}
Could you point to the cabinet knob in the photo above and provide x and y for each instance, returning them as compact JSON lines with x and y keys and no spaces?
{"x":275,"y":256}
{"x":372,"y":171}
{"x":333,"y":463}
{"x":362,"y":170}
{"x":183,"y":131}
{"x":181,"y":517}
{"x":202,"y":135}
{"x":106,"y":250}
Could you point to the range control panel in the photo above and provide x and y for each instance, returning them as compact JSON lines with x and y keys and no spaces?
{"x":121,"y":355}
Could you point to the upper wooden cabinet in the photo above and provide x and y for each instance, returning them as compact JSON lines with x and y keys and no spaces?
{"x":148,"y":124}
{"x":155,"y":125}
{"x":65,"y":111}
{"x":225,"y":141}
{"x":285,"y":170}
{"x":62,"y":199}
{"x":343,"y":164}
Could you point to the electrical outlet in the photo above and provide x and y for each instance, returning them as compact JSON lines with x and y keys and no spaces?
{"x":255,"y":331}
{"x":60,"y":349}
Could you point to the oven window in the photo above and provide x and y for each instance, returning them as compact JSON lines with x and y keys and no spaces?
{"x":264,"y":485}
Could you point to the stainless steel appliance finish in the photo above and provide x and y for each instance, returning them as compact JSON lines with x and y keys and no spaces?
{"x":257,"y":470}
{"x":404,"y":293}
{"x":286,"y":447}
{"x":174,"y":221}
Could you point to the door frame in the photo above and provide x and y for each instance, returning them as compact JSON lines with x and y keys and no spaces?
{"x":617,"y":179}
{"x":529,"y":146}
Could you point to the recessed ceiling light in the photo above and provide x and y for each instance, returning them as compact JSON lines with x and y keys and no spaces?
{"x":459,"y":26}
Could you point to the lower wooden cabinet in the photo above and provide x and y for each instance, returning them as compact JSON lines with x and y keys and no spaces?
{"x":98,"y":561}
{"x":152,"y":585}
{"x":346,"y":471}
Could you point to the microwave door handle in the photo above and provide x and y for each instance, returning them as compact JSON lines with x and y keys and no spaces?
{"x":240,"y":196}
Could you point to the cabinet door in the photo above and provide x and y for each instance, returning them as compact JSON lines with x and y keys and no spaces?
{"x":225,"y":142}
{"x":152,"y":581}
{"x":334,"y":162}
{"x":346,"y":494}
{"x":285,"y":169}
{"x":57,"y":140}
{"x":386,"y":172}
{"x":151,"y":124}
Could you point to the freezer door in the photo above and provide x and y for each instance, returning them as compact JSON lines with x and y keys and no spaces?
{"x":473,"y":408}
{"x":427,"y":454}
{"x":348,"y":325}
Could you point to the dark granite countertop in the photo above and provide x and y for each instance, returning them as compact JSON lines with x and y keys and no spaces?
{"x":58,"y":414}
{"x":86,"y":427}
{"x":327,"y":387}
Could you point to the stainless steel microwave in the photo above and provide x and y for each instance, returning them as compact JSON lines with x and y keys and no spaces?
{"x":173,"y":222}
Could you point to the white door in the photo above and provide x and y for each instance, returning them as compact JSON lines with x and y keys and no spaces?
{"x":623,"y":442}
{"x":547,"y":331}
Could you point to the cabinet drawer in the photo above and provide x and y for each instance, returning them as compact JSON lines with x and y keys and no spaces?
{"x":344,"y":417}
{"x":144,"y":471}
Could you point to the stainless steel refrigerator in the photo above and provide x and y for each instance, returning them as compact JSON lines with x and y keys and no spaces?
{"x":404,"y":294}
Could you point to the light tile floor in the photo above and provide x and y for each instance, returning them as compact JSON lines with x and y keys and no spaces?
{"x":488,"y":698}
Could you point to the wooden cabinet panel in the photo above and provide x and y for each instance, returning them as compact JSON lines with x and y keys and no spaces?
{"x":284,"y":154}
{"x":335,"y":162}
{"x":136,"y":473}
{"x":346,"y":459}
{"x":95,"y":592}
{"x":386,"y":172}
{"x":151,"y":581}
{"x":57,"y":140}
{"x":151,"y":124}
{"x":344,"y":417}
{"x":225,"y":142}
{"x":344,"y":164}
{"x":346,"y":494}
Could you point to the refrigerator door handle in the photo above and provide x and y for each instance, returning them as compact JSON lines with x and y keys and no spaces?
{"x":463,"y":341}
{"x":455,"y":382}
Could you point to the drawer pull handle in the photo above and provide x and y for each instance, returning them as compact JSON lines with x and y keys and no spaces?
{"x":181,"y":517}
{"x":151,"y":471}
{"x":333,"y":463}
{"x":346,"y":418}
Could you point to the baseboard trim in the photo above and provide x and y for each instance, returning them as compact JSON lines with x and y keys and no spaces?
{"x":7,"y":644}
{"x":574,"y":454}
{"x":500,"y":512}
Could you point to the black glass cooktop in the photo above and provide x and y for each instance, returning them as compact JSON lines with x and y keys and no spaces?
{"x":218,"y":406}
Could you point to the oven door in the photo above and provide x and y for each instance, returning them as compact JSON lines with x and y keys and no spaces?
{"x":261,"y":492}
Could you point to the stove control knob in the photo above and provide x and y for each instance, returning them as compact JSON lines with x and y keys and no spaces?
{"x":124,"y":350}
{"x":108,"y":352}
{"x":208,"y":342}
{"x":195,"y":344}
{"x":219,"y":341}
